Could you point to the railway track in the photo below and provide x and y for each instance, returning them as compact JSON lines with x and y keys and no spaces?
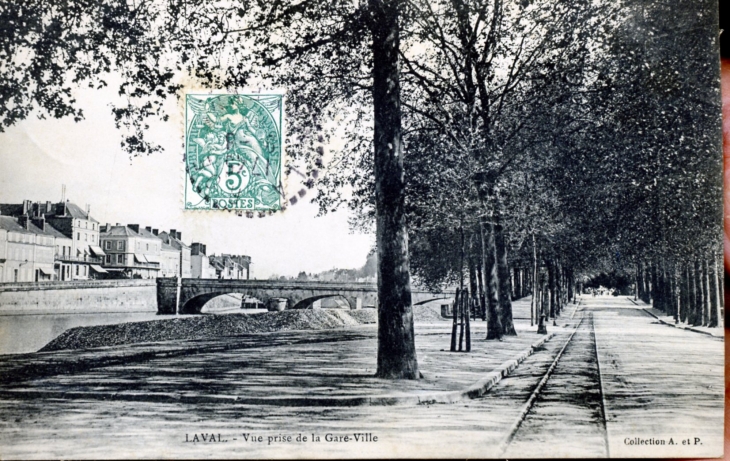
{"x":565,"y":415}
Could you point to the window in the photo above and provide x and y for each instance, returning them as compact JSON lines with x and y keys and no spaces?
{"x":86,"y":238}
{"x":77,"y":270}
{"x":108,"y":259}
{"x":120,"y":245}
{"x":120,"y":259}
{"x":92,"y":238}
{"x":148,"y":247}
{"x":78,"y":235}
{"x":108,"y":245}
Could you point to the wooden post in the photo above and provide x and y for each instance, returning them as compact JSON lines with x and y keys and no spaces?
{"x":469,"y":303}
{"x":454,"y":313}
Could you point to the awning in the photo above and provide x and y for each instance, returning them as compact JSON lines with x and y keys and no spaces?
{"x":98,"y":269}
{"x":97,"y":250}
{"x":140,"y":258}
{"x":152,"y":259}
{"x":46,"y":271}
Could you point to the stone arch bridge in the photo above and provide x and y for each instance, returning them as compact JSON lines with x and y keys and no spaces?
{"x":195,"y":293}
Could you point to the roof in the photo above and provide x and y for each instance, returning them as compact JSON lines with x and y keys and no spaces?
{"x":147,"y":234}
{"x":56,"y":233}
{"x":11,"y":224}
{"x":71,"y":210}
{"x":11,"y":209}
{"x":166,"y":247}
{"x":77,"y":212}
{"x":118,"y":231}
{"x":170,"y":240}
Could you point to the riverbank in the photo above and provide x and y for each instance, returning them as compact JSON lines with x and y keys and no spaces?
{"x":207,"y":327}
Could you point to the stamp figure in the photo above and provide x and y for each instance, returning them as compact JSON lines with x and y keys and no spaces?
{"x":233,"y":151}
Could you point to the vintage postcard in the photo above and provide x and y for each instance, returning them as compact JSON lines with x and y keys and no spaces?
{"x":361,"y":229}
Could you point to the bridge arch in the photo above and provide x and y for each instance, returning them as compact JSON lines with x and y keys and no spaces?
{"x":188,"y":296}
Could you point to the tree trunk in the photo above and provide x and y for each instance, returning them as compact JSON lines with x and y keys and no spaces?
{"x":705,"y":294}
{"x":551,"y":287}
{"x":472,"y":274}
{"x":720,"y":294}
{"x":654,"y":295}
{"x":489,"y":256}
{"x":533,"y":303}
{"x":683,"y":293}
{"x":714,"y":300}
{"x":505,"y":290}
{"x":396,"y":344}
{"x":699,"y":301}
{"x":480,"y":283}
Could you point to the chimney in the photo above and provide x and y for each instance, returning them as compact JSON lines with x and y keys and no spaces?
{"x":26,"y":207}
{"x":197,"y":248}
{"x":24,"y":221}
{"x":148,"y":229}
{"x":173,"y":233}
{"x":134,"y":227}
{"x":117,"y":224}
{"x":49,"y":207}
{"x":103,"y":228}
{"x":178,"y":235}
{"x":40,"y":222}
{"x":155,"y":231}
{"x":88,"y":210}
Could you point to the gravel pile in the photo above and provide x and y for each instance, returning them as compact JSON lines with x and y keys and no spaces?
{"x":207,"y":327}
{"x":427,"y":313}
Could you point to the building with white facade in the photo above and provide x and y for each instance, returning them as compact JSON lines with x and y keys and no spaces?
{"x":131,"y":252}
{"x":26,"y":251}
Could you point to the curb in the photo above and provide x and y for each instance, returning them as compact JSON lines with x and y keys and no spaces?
{"x":475,"y":390}
{"x":682,"y":327}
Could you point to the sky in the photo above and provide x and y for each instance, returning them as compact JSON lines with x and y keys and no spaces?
{"x":38,"y":156}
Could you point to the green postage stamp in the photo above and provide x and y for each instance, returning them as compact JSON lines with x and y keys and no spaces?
{"x":234,"y":151}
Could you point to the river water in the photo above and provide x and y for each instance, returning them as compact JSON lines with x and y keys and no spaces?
{"x":28,"y":333}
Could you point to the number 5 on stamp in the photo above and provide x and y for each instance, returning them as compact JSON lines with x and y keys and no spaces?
{"x":233,"y":151}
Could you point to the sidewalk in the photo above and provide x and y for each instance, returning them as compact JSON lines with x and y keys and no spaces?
{"x":302,"y":368}
{"x":717,"y":332}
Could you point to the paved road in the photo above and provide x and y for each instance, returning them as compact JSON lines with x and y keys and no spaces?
{"x":657,"y":383}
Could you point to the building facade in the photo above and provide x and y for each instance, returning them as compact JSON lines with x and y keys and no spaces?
{"x":83,"y":259}
{"x":130,"y":252}
{"x":234,"y":267}
{"x":173,"y":238}
{"x":26,"y":251}
{"x":200,"y":267}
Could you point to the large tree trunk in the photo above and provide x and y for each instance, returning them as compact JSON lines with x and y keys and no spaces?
{"x":505,"y":290}
{"x":489,"y":256}
{"x":472,"y":275}
{"x":480,"y":282}
{"x":396,"y":344}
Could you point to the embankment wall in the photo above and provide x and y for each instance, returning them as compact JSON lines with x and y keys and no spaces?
{"x":78,"y":296}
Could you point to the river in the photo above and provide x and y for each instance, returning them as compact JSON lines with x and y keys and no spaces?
{"x":28,"y":333}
